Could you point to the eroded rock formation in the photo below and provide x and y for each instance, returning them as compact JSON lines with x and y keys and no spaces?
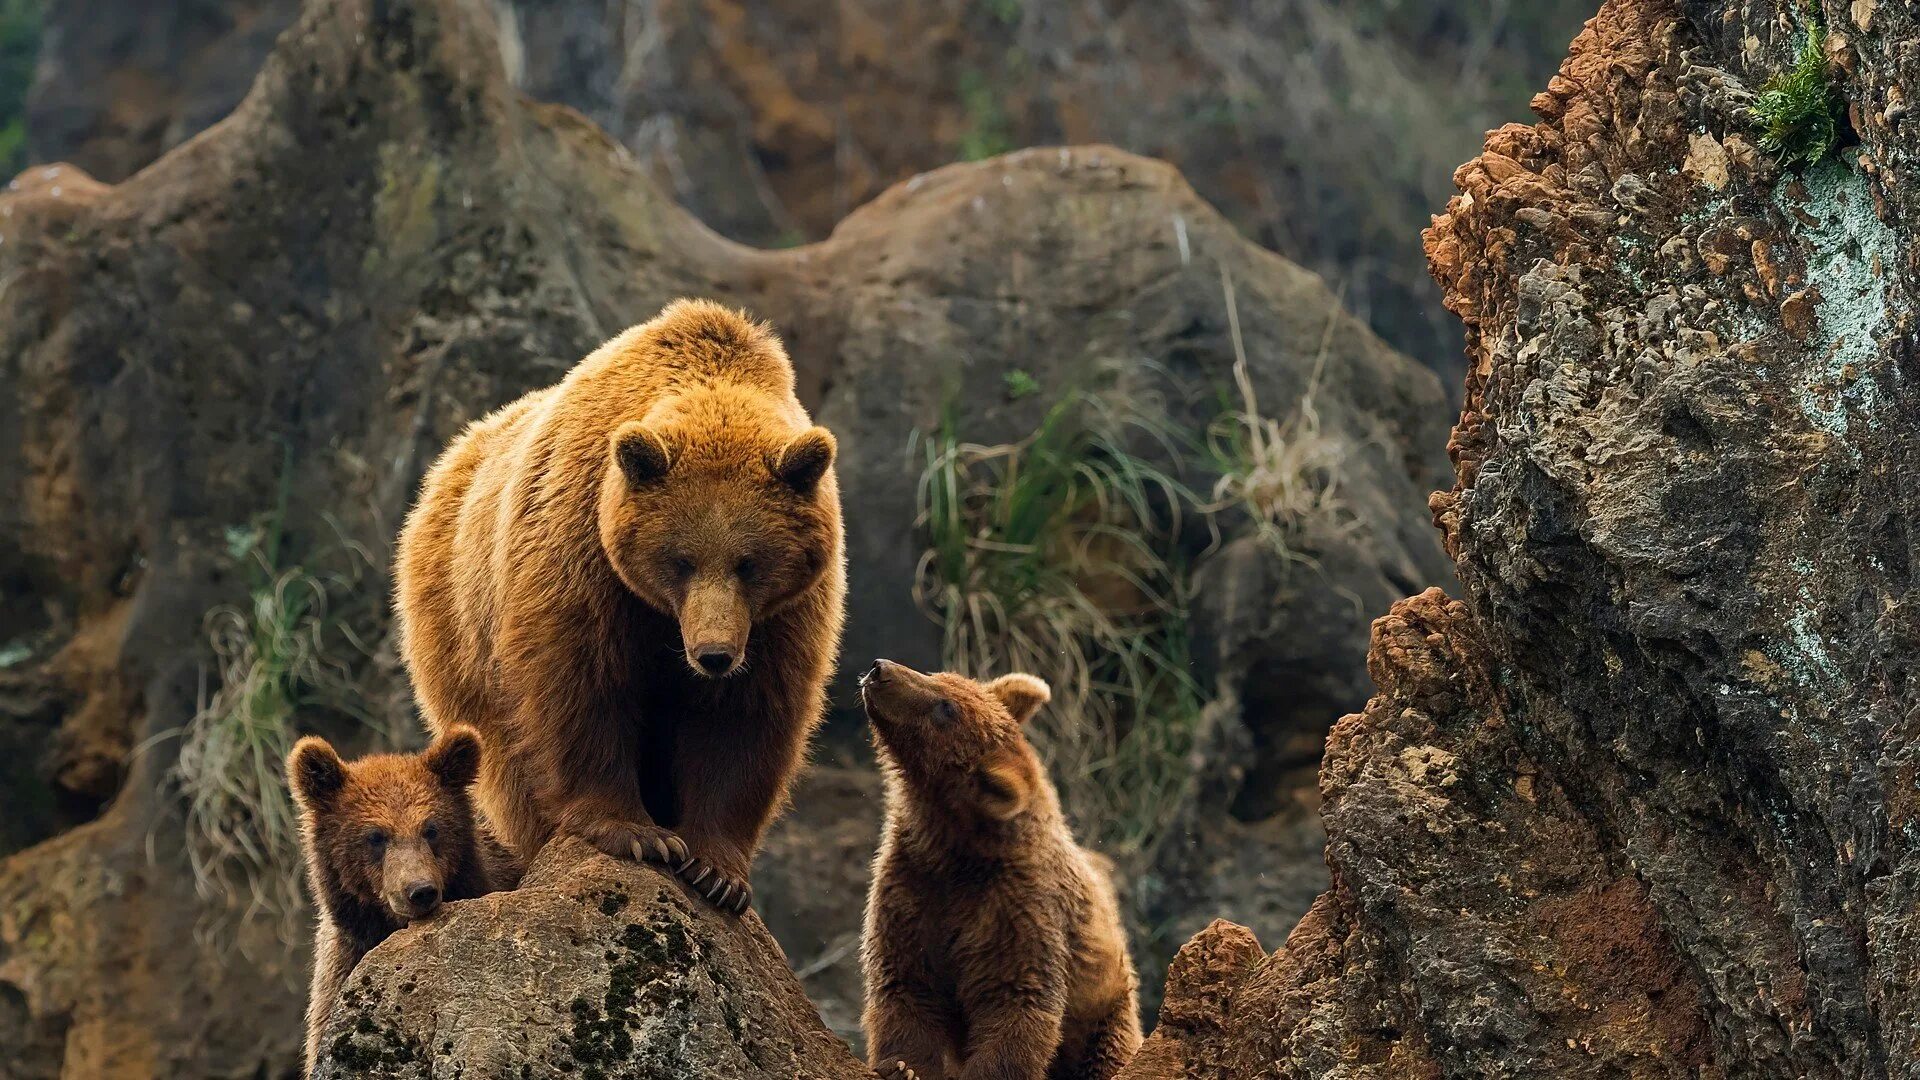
{"x":385,"y":241}
{"x":1641,"y":803}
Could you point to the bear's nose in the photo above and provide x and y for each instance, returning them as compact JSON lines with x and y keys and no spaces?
{"x":423,"y":896}
{"x":714,"y":659}
{"x":876,"y":673}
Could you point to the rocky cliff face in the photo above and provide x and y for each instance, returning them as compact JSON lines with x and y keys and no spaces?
{"x":259,"y":341}
{"x":1641,"y":803}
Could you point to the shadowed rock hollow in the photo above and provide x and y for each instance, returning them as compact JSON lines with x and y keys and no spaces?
{"x":1642,"y":802}
{"x":385,"y":241}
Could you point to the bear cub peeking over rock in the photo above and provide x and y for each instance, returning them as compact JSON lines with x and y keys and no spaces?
{"x":993,"y":943}
{"x":388,"y":839}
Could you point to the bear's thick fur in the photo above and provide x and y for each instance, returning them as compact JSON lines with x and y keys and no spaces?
{"x":632,"y":584}
{"x":388,"y":839}
{"x":993,"y":943}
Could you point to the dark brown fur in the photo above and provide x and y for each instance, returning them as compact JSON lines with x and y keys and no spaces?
{"x":576,"y":558}
{"x":388,"y":839}
{"x":993,"y":944}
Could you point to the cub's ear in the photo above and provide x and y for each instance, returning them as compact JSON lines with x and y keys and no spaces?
{"x":801,"y":463}
{"x":1006,"y":786}
{"x":1022,"y":694}
{"x":643,"y":456}
{"x":315,"y":772}
{"x":454,"y":757}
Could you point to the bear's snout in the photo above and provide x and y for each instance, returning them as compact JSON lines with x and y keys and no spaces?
{"x":715,"y":660}
{"x":423,"y":896}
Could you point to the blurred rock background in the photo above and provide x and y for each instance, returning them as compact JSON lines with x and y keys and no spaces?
{"x":233,"y":339}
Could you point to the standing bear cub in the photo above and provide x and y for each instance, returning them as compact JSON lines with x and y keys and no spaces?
{"x":631,"y":584}
{"x":388,"y":839}
{"x":993,"y":942}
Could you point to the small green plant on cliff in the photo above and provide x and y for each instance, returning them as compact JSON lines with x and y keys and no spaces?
{"x":1798,"y":111}
{"x":288,"y":649}
{"x":1058,"y":555}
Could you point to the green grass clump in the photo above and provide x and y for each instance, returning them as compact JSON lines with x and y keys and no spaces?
{"x":289,"y":649}
{"x":19,"y":50}
{"x":1058,"y":555}
{"x":1798,"y":111}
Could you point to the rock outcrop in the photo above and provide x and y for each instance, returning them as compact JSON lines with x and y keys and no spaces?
{"x":275,"y":326}
{"x":1642,"y":801}
{"x":592,"y":967}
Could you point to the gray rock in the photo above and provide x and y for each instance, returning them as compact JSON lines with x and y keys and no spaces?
{"x":593,"y":967}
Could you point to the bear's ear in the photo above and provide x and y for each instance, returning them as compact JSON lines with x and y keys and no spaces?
{"x":1022,"y":694}
{"x":1005,"y":787}
{"x":454,"y":757}
{"x":643,"y":456}
{"x":802,"y":462}
{"x":315,"y":772}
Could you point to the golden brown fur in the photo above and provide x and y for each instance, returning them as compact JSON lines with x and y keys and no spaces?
{"x":993,"y":942}
{"x":388,"y":839}
{"x":631,"y":583}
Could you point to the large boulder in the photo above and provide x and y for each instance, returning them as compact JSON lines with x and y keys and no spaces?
{"x":592,"y":967}
{"x":271,"y":330}
{"x":1642,"y":801}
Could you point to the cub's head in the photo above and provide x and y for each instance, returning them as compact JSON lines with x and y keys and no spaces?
{"x":715,"y":508}
{"x":390,"y":830}
{"x":958,"y":739}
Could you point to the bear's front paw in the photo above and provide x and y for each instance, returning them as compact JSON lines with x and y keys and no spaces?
{"x":897,"y":1070}
{"x":641,"y":843}
{"x":723,"y":890}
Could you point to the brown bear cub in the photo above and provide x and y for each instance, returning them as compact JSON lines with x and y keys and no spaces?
{"x":388,"y":839}
{"x":631,"y":583}
{"x":993,"y":942}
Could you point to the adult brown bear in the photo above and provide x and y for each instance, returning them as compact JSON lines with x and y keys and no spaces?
{"x":632,"y":585}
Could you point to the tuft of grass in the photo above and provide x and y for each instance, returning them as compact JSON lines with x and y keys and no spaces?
{"x":1283,"y":473}
{"x":19,"y":50}
{"x":989,"y":133}
{"x":1798,"y":111}
{"x":288,"y":650}
{"x":1020,"y":383}
{"x":1058,"y":555}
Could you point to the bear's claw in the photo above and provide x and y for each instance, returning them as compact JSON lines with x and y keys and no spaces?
{"x":897,"y":1070}
{"x":730,"y":895}
{"x":641,"y":843}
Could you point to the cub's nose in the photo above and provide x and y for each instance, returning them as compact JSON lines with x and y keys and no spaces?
{"x":423,"y":896}
{"x":714,"y":659}
{"x":876,"y":673}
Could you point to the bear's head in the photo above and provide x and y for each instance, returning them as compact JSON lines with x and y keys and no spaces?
{"x":957,"y":740}
{"x":714,"y":514}
{"x":389,"y":830}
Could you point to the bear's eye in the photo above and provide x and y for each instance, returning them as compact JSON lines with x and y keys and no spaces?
{"x":430,"y":833}
{"x":945,"y":711}
{"x":679,"y":568}
{"x":745,"y":571}
{"x":377,"y":840}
